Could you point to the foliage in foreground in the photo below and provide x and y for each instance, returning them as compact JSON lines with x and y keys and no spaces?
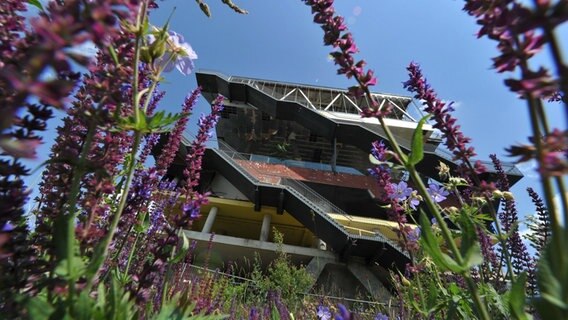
{"x":100,"y":250}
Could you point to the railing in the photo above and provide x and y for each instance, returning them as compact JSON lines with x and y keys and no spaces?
{"x":334,"y":99}
{"x":440,"y":151}
{"x":310,"y":197}
{"x":313,"y":199}
{"x":307,"y":192}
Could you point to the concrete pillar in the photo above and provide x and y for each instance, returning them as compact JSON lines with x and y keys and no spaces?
{"x":373,"y":285}
{"x":265,"y":230}
{"x":210,"y":220}
{"x":316,"y":266}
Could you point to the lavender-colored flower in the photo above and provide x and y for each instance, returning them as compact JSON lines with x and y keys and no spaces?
{"x":336,"y":35}
{"x":401,"y":191}
{"x":414,"y":200}
{"x":254,"y":315}
{"x":344,"y":314}
{"x":174,"y":139}
{"x":437,"y":193}
{"x":414,"y":235}
{"x":454,"y":139}
{"x":323,"y":313}
{"x":8,"y":226}
{"x":381,"y":316}
{"x":179,"y":54}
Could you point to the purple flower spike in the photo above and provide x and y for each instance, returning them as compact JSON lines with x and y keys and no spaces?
{"x":344,"y":314}
{"x":437,"y":193}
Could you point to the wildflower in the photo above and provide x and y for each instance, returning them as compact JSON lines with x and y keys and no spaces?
{"x":443,"y":170}
{"x":401,"y":191}
{"x":455,"y":140}
{"x":414,"y":235}
{"x":174,"y":139}
{"x":323,"y":313}
{"x":414,"y":200}
{"x":437,"y":193}
{"x":381,"y":316}
{"x":344,"y":314}
{"x":178,"y":54}
{"x":336,"y":35}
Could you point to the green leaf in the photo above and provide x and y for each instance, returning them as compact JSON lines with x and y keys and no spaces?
{"x":38,"y":308}
{"x":77,"y":268}
{"x":417,"y":145}
{"x":431,"y":245}
{"x":113,"y":55}
{"x":36,"y":4}
{"x":182,"y":252}
{"x":517,"y":298}
{"x":159,"y":122}
{"x":553,"y":279}
{"x":470,"y":248}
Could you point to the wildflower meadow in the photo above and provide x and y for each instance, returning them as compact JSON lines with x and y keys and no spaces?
{"x":105,"y":237}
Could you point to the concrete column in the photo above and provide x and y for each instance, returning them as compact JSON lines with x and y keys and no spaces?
{"x":210,"y":220}
{"x":265,"y":230}
{"x":316,"y":266}
{"x":373,"y":285}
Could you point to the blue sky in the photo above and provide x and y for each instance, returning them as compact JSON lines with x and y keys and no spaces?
{"x":277,"y":40}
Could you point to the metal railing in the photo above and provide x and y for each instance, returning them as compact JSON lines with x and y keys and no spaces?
{"x":316,"y":201}
{"x":509,"y":168}
{"x":314,"y":197}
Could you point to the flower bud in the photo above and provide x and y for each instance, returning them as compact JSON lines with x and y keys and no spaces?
{"x":405,"y":282}
{"x":452,"y":210}
{"x":508,"y":195}
{"x":145,"y":55}
{"x":443,"y":170}
{"x":497,"y":194}
{"x":157,"y":49}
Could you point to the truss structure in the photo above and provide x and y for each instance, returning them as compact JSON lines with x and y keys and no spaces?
{"x":329,"y":99}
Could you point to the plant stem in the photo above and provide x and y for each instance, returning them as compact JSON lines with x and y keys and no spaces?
{"x":446,"y":233}
{"x":131,"y":253}
{"x":69,"y":219}
{"x":100,"y":255}
{"x":546,"y":183}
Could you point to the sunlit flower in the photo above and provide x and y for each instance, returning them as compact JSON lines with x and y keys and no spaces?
{"x":400,"y":191}
{"x":178,"y":54}
{"x":437,"y":193}
{"x":414,"y":200}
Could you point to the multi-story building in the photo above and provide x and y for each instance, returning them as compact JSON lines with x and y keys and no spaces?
{"x":294,"y":157}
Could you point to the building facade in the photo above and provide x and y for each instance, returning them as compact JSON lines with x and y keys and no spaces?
{"x":294,"y":158}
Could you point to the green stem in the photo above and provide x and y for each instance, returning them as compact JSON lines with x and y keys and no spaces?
{"x":446,"y":233}
{"x":102,"y":251}
{"x":131,"y":253}
{"x":69,"y":219}
{"x":116,"y":254}
{"x":546,"y":183}
{"x":557,"y":57}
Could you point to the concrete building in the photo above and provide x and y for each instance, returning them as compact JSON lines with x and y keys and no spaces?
{"x":295,"y":157}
